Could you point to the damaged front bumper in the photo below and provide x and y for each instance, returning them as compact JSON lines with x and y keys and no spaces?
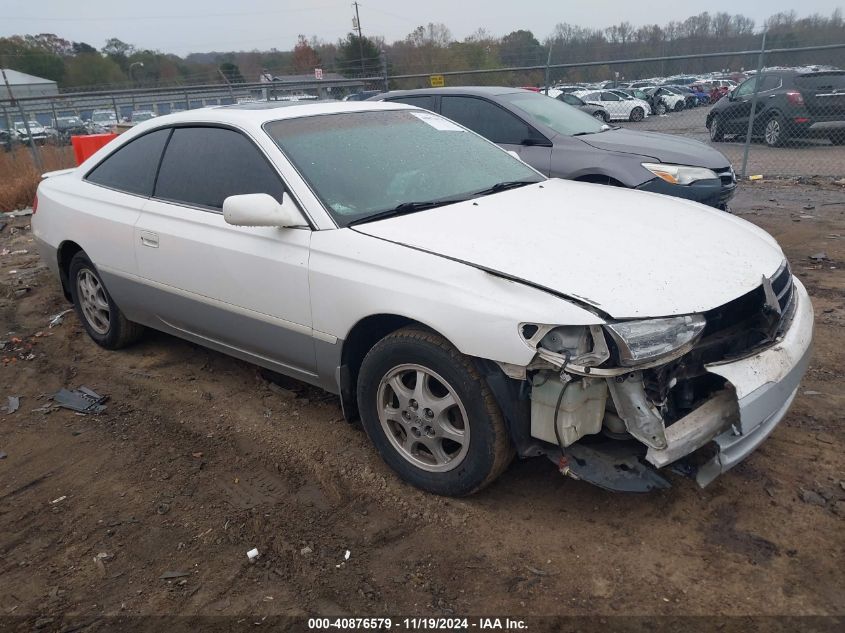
{"x":760,"y":389}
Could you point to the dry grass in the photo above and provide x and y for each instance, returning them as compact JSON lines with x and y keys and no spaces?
{"x":19,"y":178}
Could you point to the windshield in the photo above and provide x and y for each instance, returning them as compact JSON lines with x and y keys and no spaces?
{"x":365,"y":163}
{"x":557,"y":115}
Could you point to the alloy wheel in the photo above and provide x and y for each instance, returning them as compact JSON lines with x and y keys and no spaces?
{"x":423,"y":417}
{"x":772,"y":132}
{"x":93,"y":301}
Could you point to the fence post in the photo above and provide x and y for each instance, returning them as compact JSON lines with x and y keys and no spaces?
{"x":548,"y":62}
{"x":36,"y":155}
{"x":384,"y":70}
{"x":116,"y":111}
{"x":751,"y":114}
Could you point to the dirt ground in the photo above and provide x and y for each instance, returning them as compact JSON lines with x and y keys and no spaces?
{"x":198,"y":459}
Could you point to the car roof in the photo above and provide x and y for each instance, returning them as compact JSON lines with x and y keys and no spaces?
{"x":260,"y":112}
{"x":480,"y":91}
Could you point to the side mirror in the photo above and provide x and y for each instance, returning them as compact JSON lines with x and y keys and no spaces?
{"x":261,"y":209}
{"x":515,"y":155}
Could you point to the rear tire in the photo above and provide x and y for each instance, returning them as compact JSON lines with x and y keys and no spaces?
{"x":774,"y":132}
{"x":837,"y":138}
{"x":431,"y":415}
{"x":99,"y":314}
{"x":680,"y":105}
{"x":637,"y":114}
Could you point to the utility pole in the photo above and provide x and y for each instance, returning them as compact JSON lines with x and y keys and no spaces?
{"x":357,"y":24}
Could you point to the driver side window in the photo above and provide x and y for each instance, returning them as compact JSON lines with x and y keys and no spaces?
{"x":609,"y":96}
{"x":487,"y":119}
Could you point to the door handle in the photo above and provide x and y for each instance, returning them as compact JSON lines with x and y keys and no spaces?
{"x":149,"y":239}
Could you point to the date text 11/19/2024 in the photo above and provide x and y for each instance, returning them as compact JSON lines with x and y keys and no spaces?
{"x":418,"y":624}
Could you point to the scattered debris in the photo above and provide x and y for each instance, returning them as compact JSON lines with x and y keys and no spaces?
{"x":252,"y":554}
{"x":306,"y":551}
{"x":3,"y":455}
{"x":540,"y":572}
{"x":17,"y":214}
{"x":59,"y":500}
{"x":809,"y":206}
{"x":347,"y":555}
{"x":756,"y":177}
{"x":171,"y":575}
{"x":14,"y":404}
{"x":812,"y":497}
{"x":57,"y":319}
{"x":83,"y":400}
{"x":819,"y":257}
{"x":825,"y":438}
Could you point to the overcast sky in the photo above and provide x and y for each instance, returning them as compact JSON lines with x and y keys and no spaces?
{"x":205,"y":25}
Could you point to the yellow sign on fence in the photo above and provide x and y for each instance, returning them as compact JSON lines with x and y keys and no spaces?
{"x":437,"y":81}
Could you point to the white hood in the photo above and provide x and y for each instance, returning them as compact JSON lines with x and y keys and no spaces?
{"x":628,"y":253}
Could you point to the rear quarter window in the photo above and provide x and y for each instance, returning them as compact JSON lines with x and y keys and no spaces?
{"x":132,"y":168}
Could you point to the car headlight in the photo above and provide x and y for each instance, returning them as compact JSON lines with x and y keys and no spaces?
{"x":680,"y":174}
{"x":651,"y":339}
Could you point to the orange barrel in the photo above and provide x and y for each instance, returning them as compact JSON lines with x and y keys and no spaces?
{"x":85,"y":146}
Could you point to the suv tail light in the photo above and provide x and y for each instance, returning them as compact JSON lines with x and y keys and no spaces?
{"x":795,"y":98}
{"x":35,"y":204}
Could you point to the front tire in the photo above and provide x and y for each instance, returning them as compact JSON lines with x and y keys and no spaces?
{"x":601,"y":115}
{"x":100,"y":316}
{"x":431,"y":415}
{"x":637,"y":114}
{"x":717,"y":130}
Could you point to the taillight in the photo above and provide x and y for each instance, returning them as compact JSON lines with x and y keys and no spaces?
{"x":35,"y":204}
{"x":795,"y":98}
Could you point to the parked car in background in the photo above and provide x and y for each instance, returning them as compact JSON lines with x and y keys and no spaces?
{"x":67,"y":126}
{"x":690,"y":100}
{"x":361,"y":96}
{"x":674,"y":102}
{"x":593,"y":110}
{"x":8,"y":140}
{"x":37,"y":133}
{"x":103,"y":121}
{"x":563,"y":142}
{"x":465,"y":310}
{"x":657,"y":104}
{"x":140,"y":116}
{"x":790,"y":104}
{"x":681,"y":80}
{"x":619,"y":108}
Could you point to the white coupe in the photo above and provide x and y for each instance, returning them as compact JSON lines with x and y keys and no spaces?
{"x":463,"y":306}
{"x":619,"y":108}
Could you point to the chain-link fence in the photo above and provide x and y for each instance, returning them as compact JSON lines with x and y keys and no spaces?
{"x":772,"y":112}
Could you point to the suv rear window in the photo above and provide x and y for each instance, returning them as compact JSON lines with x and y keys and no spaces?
{"x":822,"y":80}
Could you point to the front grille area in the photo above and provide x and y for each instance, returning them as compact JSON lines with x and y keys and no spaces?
{"x":733,"y":330}
{"x":728,"y":180}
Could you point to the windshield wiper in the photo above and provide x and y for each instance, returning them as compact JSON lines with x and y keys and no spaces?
{"x":404,"y":209}
{"x":504,"y":186}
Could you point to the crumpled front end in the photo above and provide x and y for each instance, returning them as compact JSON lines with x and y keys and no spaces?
{"x":612,"y":418}
{"x":758,"y":392}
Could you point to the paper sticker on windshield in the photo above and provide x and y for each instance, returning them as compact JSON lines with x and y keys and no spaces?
{"x":438,"y":123}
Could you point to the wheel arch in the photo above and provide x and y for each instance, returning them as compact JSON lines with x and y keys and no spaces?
{"x":64,"y":254}
{"x":361,"y":338}
{"x":600,"y":179}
